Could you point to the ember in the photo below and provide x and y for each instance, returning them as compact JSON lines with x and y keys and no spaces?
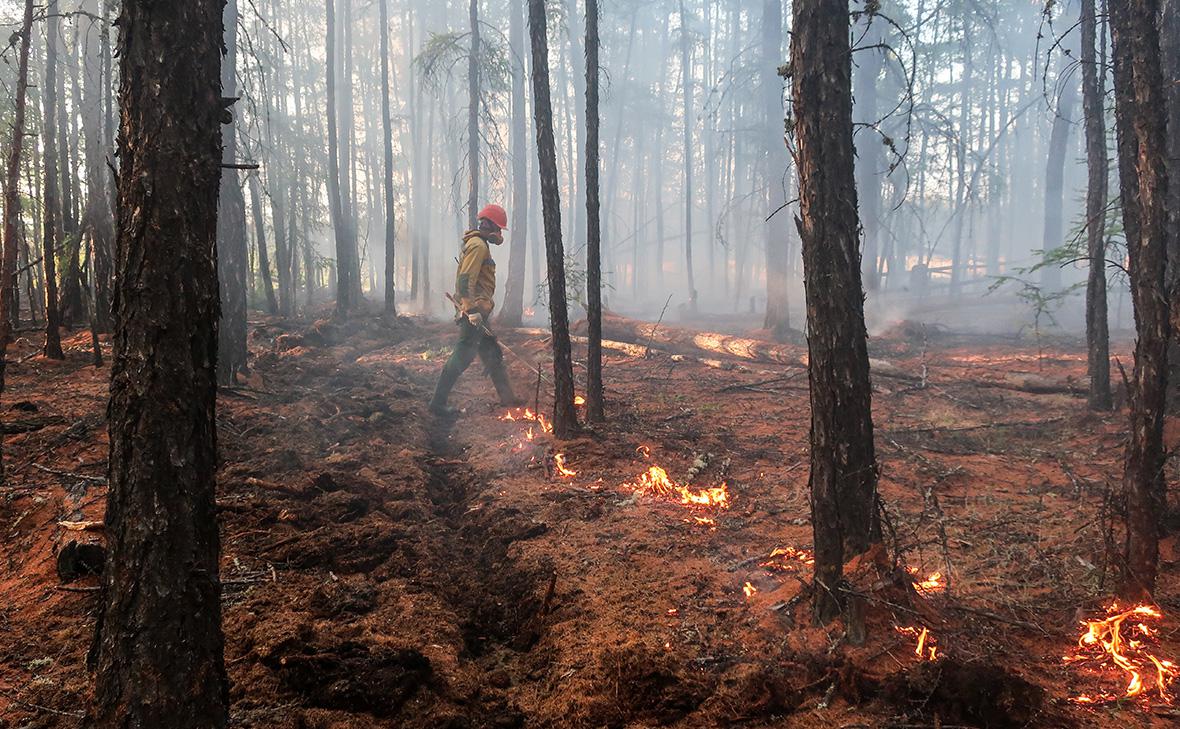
{"x":579,"y":401}
{"x":656,"y":481}
{"x":925,"y":648}
{"x":1128,"y":646}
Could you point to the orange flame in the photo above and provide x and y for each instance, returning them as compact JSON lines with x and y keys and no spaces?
{"x":783,"y":559}
{"x":656,"y":481}
{"x":559,"y":464}
{"x":1103,"y":641}
{"x":749,"y":589}
{"x":925,"y":648}
{"x":579,"y":401}
{"x":934,"y":583}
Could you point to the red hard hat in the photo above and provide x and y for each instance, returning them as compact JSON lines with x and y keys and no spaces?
{"x":496,"y":214}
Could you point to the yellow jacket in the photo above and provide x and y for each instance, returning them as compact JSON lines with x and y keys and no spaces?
{"x":475,"y":281}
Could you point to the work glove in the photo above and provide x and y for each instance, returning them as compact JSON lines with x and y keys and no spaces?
{"x":476,"y":319}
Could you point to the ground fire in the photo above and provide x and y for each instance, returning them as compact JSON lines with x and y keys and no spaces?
{"x":1126,"y":640}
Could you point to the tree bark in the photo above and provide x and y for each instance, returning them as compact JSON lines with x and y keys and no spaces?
{"x":159,"y":646}
{"x":512,"y":313}
{"x":232,"y":248}
{"x":1098,"y":165}
{"x":565,"y":421}
{"x":843,"y":477}
{"x":1140,"y":122}
{"x":1169,"y":24}
{"x":51,"y":231}
{"x":595,"y":408}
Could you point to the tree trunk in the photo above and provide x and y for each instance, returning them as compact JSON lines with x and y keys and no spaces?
{"x":870,"y":61}
{"x":343,"y":232}
{"x":1170,"y":57}
{"x":1140,"y":122}
{"x":232,"y":248}
{"x":512,"y":313}
{"x":98,"y":216}
{"x":565,"y":420}
{"x":52,"y":226}
{"x":1063,"y":123}
{"x":778,"y":309}
{"x":595,"y":410}
{"x":473,"y":99}
{"x":390,"y":219}
{"x":268,"y":286}
{"x":686,"y":83}
{"x":1098,"y":165}
{"x":843,"y":464}
{"x":159,"y":646}
{"x":12,"y":204}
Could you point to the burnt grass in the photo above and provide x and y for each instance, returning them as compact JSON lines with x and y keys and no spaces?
{"x":384,"y":568}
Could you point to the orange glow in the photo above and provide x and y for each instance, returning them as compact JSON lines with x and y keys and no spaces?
{"x":749,"y":589}
{"x":1102,"y":642}
{"x":579,"y":401}
{"x":559,"y":465}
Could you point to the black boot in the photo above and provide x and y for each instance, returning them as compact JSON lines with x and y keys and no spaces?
{"x":503,"y":385}
{"x":446,"y":381}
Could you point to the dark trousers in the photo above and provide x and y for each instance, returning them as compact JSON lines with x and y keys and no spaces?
{"x":474,"y":342}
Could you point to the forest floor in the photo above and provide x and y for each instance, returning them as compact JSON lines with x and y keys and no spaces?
{"x":383,"y":568}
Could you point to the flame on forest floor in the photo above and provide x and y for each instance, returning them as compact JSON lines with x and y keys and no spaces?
{"x":749,"y":589}
{"x":527,"y":414}
{"x":656,"y":481}
{"x":560,"y":467}
{"x":579,"y":401}
{"x":926,"y":646}
{"x":933,"y":583}
{"x":784,"y":559}
{"x":1125,"y":640}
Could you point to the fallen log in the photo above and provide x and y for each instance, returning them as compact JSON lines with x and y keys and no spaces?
{"x":638,"y":338}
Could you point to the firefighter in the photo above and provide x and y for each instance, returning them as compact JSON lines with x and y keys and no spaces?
{"x":475,"y":285}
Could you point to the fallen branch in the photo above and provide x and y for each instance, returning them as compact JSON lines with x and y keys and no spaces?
{"x":71,"y":474}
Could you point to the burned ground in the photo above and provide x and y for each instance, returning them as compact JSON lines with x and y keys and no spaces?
{"x":382,"y":568}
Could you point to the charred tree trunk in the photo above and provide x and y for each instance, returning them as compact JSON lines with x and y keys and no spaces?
{"x":778,"y":310}
{"x":51,"y":232}
{"x":1098,"y":165}
{"x":232,"y":248}
{"x":344,"y":242}
{"x":843,"y":462}
{"x":387,"y":131}
{"x":512,"y":314}
{"x":565,"y":420}
{"x":594,"y":392}
{"x":1140,"y":122}
{"x":473,"y":99}
{"x":159,"y":646}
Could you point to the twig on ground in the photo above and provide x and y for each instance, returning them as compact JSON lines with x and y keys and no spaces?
{"x":647,"y":351}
